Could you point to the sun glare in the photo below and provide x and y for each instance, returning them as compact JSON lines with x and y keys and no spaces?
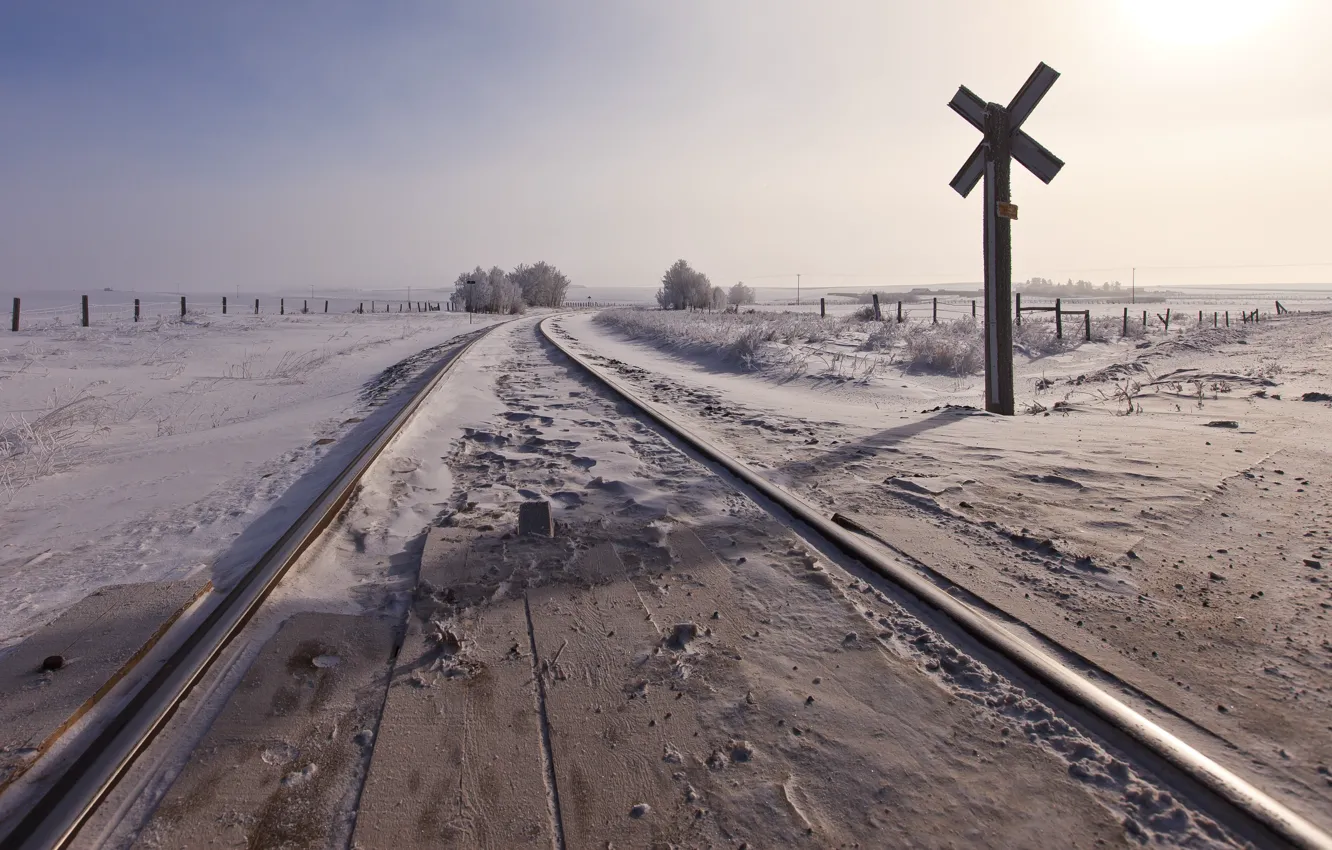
{"x":1200,"y":22}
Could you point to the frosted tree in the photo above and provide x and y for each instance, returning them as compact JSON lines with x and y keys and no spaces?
{"x":488,"y":291}
{"x":682,"y":287}
{"x":718,"y":299}
{"x":541,"y":285}
{"x":741,"y":295}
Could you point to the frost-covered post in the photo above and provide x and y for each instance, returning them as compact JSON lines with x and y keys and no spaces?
{"x":136,"y":309}
{"x":224,"y":305}
{"x":1018,"y":298}
{"x":823,"y":308}
{"x":1059,"y":319}
{"x":13,"y":326}
{"x":877,"y":316}
{"x":182,"y":306}
{"x":85,"y":311}
{"x":899,"y":312}
{"x":934,"y":318}
{"x":1004,"y":140}
{"x":1086,"y":320}
{"x":325,"y":306}
{"x":256,"y":306}
{"x":1125,"y":331}
{"x":282,"y":306}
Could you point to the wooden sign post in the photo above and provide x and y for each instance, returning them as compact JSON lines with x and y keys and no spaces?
{"x":1004,"y":140}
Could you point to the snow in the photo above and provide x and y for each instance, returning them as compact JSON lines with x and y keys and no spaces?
{"x":1166,"y":551}
{"x":186,"y":438}
{"x":141,"y":452}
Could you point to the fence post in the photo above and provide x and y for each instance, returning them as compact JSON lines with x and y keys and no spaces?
{"x":224,"y":305}
{"x":85,"y":311}
{"x":973,"y":308}
{"x":1227,"y":318}
{"x":326,"y":306}
{"x":1125,"y":331}
{"x":1086,"y":317}
{"x":1059,"y":320}
{"x":899,"y":312}
{"x":361,"y":309}
{"x":1213,"y":318}
{"x":13,"y":326}
{"x":1144,"y":321}
{"x":282,"y":306}
{"x":136,"y":309}
{"x":877,"y":317}
{"x":305,"y":306}
{"x":823,"y":309}
{"x":182,"y":306}
{"x":935,"y":317}
{"x":1018,"y":312}
{"x":256,"y":306}
{"x":1200,"y":317}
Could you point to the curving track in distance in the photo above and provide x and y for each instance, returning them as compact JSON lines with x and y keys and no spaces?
{"x":57,"y":815}
{"x":1254,"y":813}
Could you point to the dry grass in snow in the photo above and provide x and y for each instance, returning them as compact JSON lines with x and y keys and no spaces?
{"x":792,"y":343}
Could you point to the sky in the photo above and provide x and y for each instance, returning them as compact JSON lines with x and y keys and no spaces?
{"x":277,"y":146}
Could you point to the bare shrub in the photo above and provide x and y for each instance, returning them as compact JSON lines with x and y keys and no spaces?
{"x":52,"y":442}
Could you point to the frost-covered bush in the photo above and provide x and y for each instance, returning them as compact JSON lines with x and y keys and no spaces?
{"x":1036,"y":337}
{"x":949,"y":348}
{"x":881,"y":337}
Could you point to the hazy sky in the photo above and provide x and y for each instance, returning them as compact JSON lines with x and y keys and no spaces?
{"x":283,"y":144}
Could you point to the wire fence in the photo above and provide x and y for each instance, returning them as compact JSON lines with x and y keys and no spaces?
{"x":1164,"y":314}
{"x":184,"y":309}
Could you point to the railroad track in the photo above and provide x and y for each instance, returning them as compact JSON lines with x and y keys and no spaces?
{"x":56,"y":816}
{"x":1253,"y":813}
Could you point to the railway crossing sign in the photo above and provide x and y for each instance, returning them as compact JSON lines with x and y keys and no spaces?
{"x":1004,"y":139}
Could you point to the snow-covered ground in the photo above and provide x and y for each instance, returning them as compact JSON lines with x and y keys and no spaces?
{"x":140,"y":452}
{"x":1191,"y":561}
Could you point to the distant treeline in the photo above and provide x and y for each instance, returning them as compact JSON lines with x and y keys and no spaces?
{"x":1084,"y":288}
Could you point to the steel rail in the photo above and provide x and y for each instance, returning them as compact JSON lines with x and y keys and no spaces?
{"x":1264,"y":814}
{"x":59,"y":813}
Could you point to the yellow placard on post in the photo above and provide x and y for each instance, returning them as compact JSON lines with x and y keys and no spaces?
{"x":1007,"y":210}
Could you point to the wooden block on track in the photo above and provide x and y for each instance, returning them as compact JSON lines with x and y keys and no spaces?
{"x":458,"y":761}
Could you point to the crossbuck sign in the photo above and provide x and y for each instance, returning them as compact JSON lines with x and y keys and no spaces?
{"x":1003,"y":139}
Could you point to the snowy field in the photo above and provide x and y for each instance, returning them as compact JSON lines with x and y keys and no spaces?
{"x":138,"y":452}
